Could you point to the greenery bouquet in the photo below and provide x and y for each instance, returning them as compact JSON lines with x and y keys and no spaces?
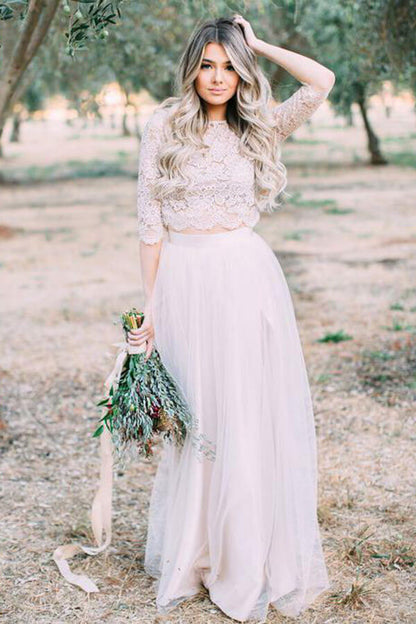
{"x":143,"y":399}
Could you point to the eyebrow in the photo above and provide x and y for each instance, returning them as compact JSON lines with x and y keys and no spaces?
{"x":210,"y":61}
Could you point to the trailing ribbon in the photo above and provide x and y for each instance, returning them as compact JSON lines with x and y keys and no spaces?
{"x":101,"y":510}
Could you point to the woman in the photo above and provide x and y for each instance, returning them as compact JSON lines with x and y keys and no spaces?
{"x":234,"y":510}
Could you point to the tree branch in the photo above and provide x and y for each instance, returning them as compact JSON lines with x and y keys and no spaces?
{"x":39,"y":16}
{"x":45,"y":20}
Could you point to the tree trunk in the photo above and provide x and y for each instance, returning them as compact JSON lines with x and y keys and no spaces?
{"x":15,"y":135}
{"x":349,"y":119}
{"x":38,"y":19}
{"x":126,"y":131}
{"x":125,"y":127}
{"x":373,"y":144}
{"x":136,"y":123}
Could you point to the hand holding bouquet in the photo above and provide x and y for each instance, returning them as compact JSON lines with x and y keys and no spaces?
{"x":143,"y":399}
{"x":141,"y":332}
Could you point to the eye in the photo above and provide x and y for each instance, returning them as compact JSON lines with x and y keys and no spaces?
{"x":204,"y":65}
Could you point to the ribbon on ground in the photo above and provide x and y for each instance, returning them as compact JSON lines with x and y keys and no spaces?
{"x":101,"y":510}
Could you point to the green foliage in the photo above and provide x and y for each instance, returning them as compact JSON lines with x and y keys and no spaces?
{"x":339,"y":211}
{"x":365,"y":42}
{"x":34,"y":97}
{"x":297,"y":234}
{"x":13,"y":9}
{"x":89,"y":20}
{"x":323,"y":378}
{"x":338,"y":336}
{"x":379,"y":355}
{"x":398,"y":325}
{"x":403,"y":159}
{"x":389,"y":374}
{"x":144,"y":401}
{"x":298,"y":200}
{"x":69,"y":170}
{"x":86,"y":19}
{"x":98,"y":431}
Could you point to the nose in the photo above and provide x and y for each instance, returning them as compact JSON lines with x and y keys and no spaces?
{"x":218,"y":75}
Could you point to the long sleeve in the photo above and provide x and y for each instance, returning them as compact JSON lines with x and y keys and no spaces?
{"x":294,"y":111}
{"x":150,"y":225}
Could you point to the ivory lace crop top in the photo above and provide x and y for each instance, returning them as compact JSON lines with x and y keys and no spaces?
{"x":221,"y":191}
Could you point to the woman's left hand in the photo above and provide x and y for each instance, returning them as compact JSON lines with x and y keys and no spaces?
{"x":249,"y":35}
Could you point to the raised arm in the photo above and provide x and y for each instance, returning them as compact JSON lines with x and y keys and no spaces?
{"x":294,"y":111}
{"x":150,"y":226}
{"x":317,"y":80}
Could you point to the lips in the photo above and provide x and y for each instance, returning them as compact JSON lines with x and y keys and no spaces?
{"x":217,"y":90}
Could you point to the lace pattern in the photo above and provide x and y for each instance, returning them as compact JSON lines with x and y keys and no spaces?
{"x":294,"y":111}
{"x":149,"y":209}
{"x":221,"y":187}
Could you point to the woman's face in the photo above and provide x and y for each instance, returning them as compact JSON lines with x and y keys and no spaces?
{"x":217,"y":80}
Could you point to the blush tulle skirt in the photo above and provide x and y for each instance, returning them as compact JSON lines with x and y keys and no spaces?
{"x":234,"y":509}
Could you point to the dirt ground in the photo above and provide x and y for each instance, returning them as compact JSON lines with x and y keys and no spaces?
{"x":69,"y":264}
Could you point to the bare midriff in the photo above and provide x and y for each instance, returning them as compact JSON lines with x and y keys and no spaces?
{"x":213,"y":230}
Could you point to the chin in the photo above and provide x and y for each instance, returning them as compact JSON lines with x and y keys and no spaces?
{"x":218,"y":99}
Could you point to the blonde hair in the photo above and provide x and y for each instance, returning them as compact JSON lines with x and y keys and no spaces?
{"x":248,"y":114}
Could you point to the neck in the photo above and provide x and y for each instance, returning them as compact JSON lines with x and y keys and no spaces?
{"x":216,"y":112}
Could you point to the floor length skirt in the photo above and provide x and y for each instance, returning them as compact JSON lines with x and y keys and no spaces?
{"x":234,"y":509}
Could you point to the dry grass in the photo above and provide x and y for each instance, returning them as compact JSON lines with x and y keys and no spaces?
{"x":69,"y":264}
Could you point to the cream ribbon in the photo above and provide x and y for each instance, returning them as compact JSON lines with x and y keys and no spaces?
{"x":101,"y":510}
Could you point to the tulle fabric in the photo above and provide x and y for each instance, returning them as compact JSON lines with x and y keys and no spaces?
{"x":234,"y":510}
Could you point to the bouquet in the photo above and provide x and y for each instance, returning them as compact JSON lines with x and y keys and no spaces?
{"x":143,"y":401}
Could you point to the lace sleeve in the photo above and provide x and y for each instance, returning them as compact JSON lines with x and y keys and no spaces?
{"x":294,"y":111}
{"x":150,"y":225}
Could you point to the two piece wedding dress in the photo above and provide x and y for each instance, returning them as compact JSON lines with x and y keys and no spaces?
{"x":234,"y":510}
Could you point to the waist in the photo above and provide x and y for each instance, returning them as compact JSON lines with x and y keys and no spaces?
{"x":216,"y":238}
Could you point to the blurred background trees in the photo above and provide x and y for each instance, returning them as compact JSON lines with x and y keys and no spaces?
{"x":28,"y":25}
{"x":75,"y":48}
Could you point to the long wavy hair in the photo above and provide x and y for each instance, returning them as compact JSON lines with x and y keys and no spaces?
{"x":248,"y":114}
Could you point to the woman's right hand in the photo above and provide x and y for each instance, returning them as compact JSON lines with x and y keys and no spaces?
{"x":144,"y":334}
